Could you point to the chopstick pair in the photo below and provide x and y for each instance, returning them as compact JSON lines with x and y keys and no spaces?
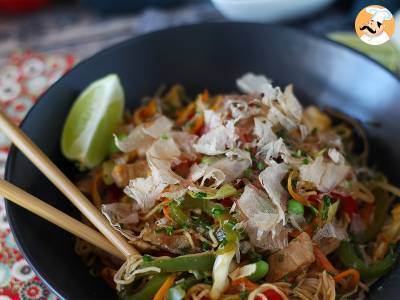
{"x":117,"y":243}
{"x":57,"y":217}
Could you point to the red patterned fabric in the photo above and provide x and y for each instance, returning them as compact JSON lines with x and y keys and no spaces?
{"x":25,"y":77}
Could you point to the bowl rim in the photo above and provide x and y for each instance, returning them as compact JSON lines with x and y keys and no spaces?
{"x":137,"y":39}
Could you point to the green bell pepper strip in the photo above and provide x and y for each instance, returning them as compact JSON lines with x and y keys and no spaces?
{"x":192,"y":262}
{"x":225,"y":191}
{"x":348,"y":255}
{"x":177,"y":214}
{"x":149,"y":290}
{"x":178,"y":292}
{"x":207,"y":206}
{"x":383,"y":201}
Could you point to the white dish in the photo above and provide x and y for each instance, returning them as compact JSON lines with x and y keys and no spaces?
{"x":269,"y":11}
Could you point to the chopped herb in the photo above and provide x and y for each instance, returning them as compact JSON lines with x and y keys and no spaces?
{"x":247,"y":173}
{"x":218,"y":211}
{"x":261,"y":165}
{"x":200,"y":195}
{"x":299,"y":153}
{"x":179,"y":200}
{"x":314,"y":210}
{"x":314,"y":131}
{"x":281,"y":257}
{"x":243,"y":295}
{"x":347,"y":184}
{"x":306,"y":161}
{"x":208,"y":160}
{"x":285,"y":278}
{"x":147,"y":258}
{"x":169,"y":230}
{"x":164,"y":137}
{"x":205,"y":246}
{"x":159,"y":229}
{"x":254,"y":256}
{"x":327,"y":203}
{"x":282,"y":133}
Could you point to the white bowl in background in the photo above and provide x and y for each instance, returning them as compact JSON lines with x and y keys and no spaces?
{"x":269,"y":11}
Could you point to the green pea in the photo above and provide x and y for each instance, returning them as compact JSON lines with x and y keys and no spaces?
{"x":262,"y":268}
{"x":295,"y":207}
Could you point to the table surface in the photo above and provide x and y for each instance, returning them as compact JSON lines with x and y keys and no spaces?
{"x":35,"y":50}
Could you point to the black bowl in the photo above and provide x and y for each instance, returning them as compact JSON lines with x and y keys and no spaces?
{"x":201,"y":56}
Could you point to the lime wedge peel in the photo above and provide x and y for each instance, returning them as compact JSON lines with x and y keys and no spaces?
{"x":92,"y":120}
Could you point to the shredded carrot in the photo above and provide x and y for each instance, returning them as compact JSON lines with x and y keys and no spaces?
{"x":185,"y":114}
{"x":145,"y":112}
{"x":248,"y":284}
{"x":162,"y":292}
{"x":325,"y":263}
{"x":197,"y":125}
{"x":294,"y":195}
{"x":355,"y":277}
{"x":165,"y":209}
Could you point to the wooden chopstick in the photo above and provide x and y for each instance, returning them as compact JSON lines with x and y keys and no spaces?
{"x":57,"y":217}
{"x":57,"y":177}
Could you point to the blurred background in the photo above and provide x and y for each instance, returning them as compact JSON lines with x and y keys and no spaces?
{"x":86,"y":26}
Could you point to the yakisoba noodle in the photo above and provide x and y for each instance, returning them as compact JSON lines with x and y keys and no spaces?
{"x":243,"y":196}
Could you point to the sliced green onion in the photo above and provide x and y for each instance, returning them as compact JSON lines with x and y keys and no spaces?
{"x":208,"y":160}
{"x":261,"y":165}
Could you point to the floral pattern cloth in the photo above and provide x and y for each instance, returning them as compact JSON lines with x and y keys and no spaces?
{"x":22,"y":80}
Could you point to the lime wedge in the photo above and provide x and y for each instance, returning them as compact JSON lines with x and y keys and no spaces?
{"x":93,"y":118}
{"x":387,"y":54}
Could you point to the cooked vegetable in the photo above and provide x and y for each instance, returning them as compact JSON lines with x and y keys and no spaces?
{"x":348,"y":256}
{"x":260,"y":272}
{"x":149,"y":290}
{"x":196,"y":262}
{"x":295,"y":207}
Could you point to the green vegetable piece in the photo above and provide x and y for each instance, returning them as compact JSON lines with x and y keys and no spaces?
{"x":247,"y":173}
{"x":218,"y":210}
{"x":306,"y":161}
{"x":380,"y":215}
{"x":197,"y":262}
{"x":262,"y":269}
{"x":225,"y":191}
{"x":113,"y":146}
{"x":149,"y":290}
{"x":327,"y":201}
{"x":261,"y":165}
{"x":347,"y":254}
{"x":208,"y":160}
{"x":147,"y":257}
{"x":295,"y":207}
{"x":178,"y":215}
